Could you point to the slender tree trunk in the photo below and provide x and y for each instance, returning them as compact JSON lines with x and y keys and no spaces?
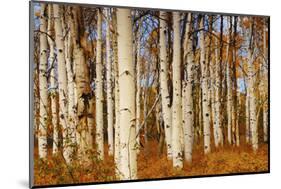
{"x":53,"y":82}
{"x":177,"y":101}
{"x":43,"y":86}
{"x":68,"y":132}
{"x":247,"y":117}
{"x":188,"y":93}
{"x":109,"y":88}
{"x":117,"y":97}
{"x":68,"y":45}
{"x":128,"y":159}
{"x":251,"y":87}
{"x":99,"y":91}
{"x":165,"y":96}
{"x":217,"y":117}
{"x":138,"y":94}
{"x":264,"y":84}
{"x":235,"y":103}
{"x":205,"y":108}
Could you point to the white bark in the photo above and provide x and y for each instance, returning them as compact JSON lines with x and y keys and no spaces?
{"x":42,"y":137}
{"x":138,"y":94}
{"x":68,"y":132}
{"x":165,"y":96}
{"x":217,"y":114}
{"x":252,"y":102}
{"x":72,"y":113}
{"x":187,"y":94}
{"x":229,"y":92}
{"x":116,"y":100}
{"x":252,"y":97}
{"x":264,"y":84}
{"x":204,"y":85}
{"x":247,"y":117}
{"x":53,"y":82}
{"x":109,"y":88}
{"x":177,"y":101}
{"x":128,"y":161}
{"x":99,"y":91}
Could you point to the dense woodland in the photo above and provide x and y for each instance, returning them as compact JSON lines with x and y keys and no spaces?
{"x":124,"y":94}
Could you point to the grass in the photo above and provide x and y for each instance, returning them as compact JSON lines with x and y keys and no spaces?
{"x":151,"y":165}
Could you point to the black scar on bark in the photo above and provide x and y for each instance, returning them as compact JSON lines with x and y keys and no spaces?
{"x":207,"y":115}
{"x":62,"y":116}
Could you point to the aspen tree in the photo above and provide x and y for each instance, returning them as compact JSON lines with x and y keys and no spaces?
{"x":68,"y":132}
{"x":251,"y":86}
{"x":116,"y":94}
{"x":109,"y":87}
{"x":99,"y":90}
{"x":53,"y":82}
{"x":217,"y":109}
{"x":264,"y":84}
{"x":188,"y":93}
{"x":204,"y":85}
{"x":82,"y":84}
{"x":138,"y":75}
{"x":68,"y":45}
{"x":43,"y":86}
{"x":165,"y":96}
{"x":235,"y":104}
{"x":229,"y":86}
{"x":177,"y":101}
{"x":128,"y":161}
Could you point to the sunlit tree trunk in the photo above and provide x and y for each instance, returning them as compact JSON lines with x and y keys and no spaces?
{"x":82,"y":85}
{"x":138,"y":94}
{"x":247,"y":116}
{"x":188,"y":94}
{"x":68,"y":132}
{"x":204,"y":84}
{"x":165,"y":96}
{"x":128,"y":161}
{"x":43,"y":86}
{"x":68,"y":45}
{"x":229,"y":85}
{"x":235,"y":104}
{"x":117,"y":97}
{"x":53,"y":82}
{"x":109,"y":88}
{"x":264,"y":84}
{"x":217,"y":104}
{"x":177,"y":101}
{"x":99,"y":90}
{"x":251,"y":88}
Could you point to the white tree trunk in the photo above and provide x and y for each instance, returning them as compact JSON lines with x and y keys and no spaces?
{"x":229,"y":91}
{"x":68,"y":132}
{"x":252,"y":102}
{"x":138,"y":94}
{"x":42,"y":137}
{"x":204,"y":85}
{"x":187,"y":94}
{"x":217,"y":110}
{"x":99,"y":91}
{"x":177,"y":101}
{"x":165,"y":96}
{"x":247,"y":117}
{"x":128,"y":163}
{"x":116,"y":100}
{"x":264,"y":84}
{"x":109,"y":88}
{"x":53,"y":82}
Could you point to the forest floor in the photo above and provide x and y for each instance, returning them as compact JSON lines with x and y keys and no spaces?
{"x":151,"y":165}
